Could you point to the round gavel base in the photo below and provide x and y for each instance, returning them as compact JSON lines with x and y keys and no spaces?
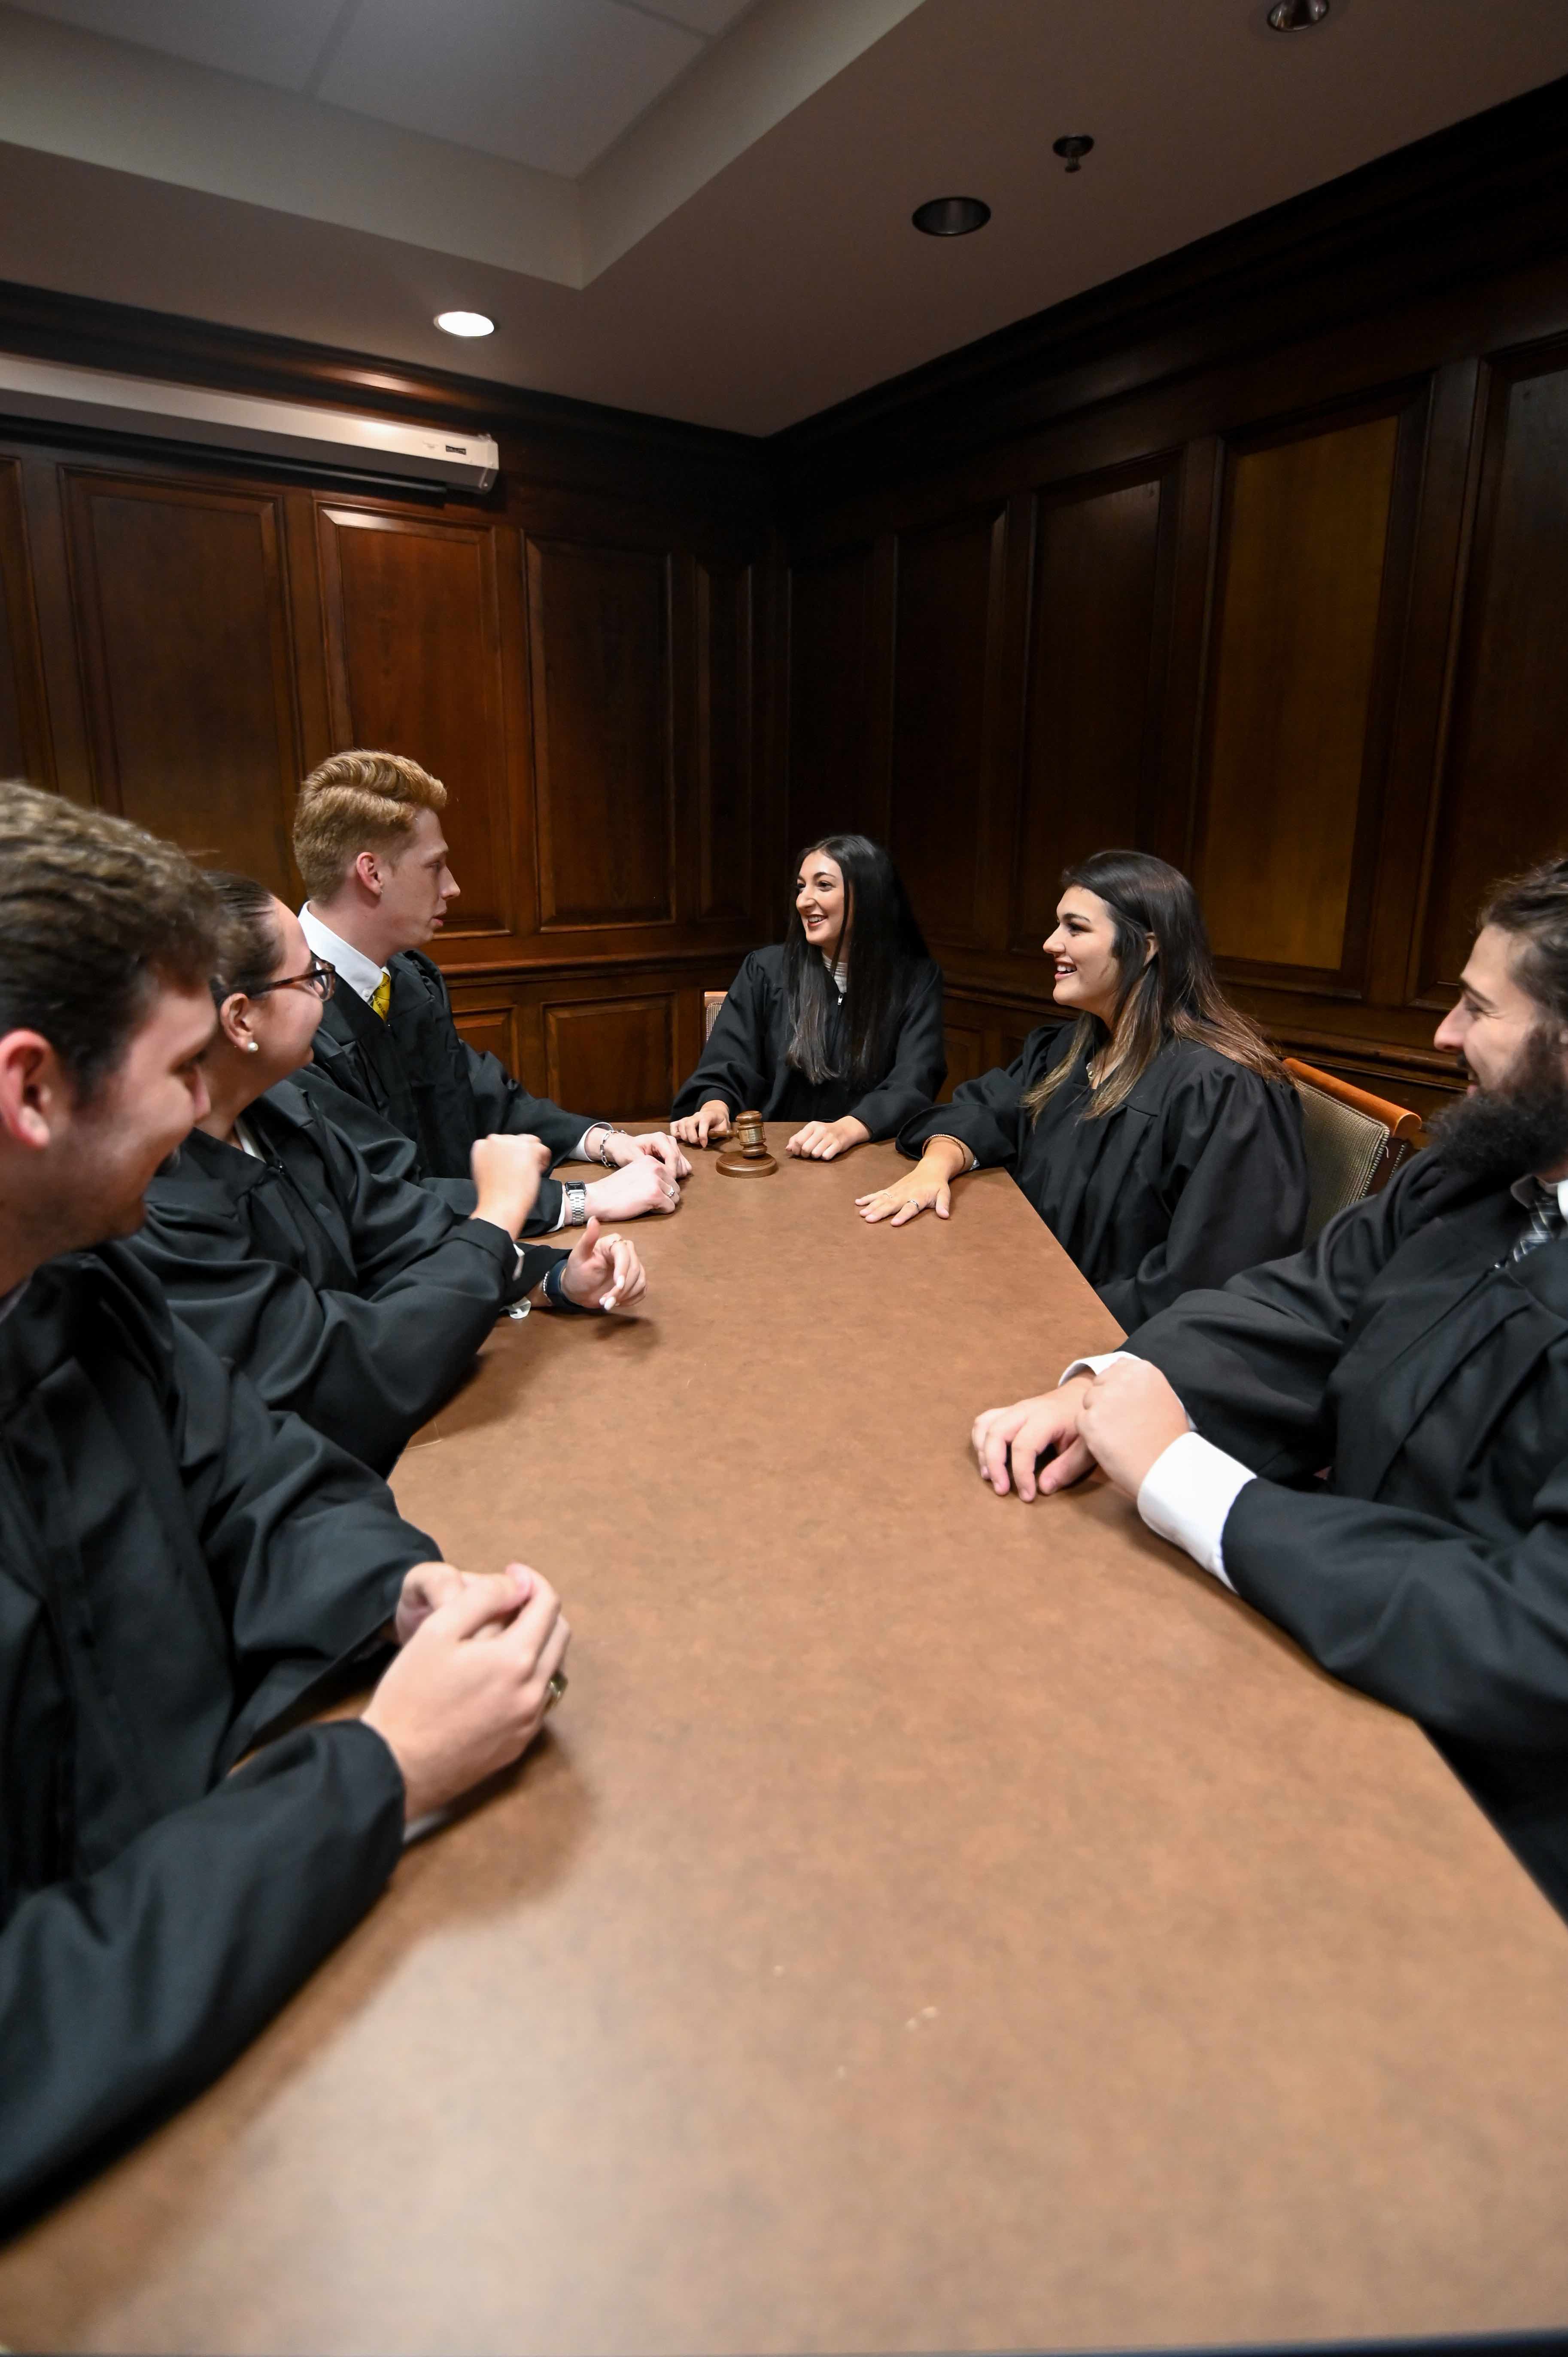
{"x":739,"y":1165}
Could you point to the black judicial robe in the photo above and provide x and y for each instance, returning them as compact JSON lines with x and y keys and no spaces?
{"x":358,"y":1301}
{"x":744,"y":1061}
{"x":178,"y":1567}
{"x":1431,"y":1567}
{"x":418,"y":1072}
{"x":1200,"y":1173}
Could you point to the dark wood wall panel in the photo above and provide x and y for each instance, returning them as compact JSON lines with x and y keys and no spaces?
{"x":949,"y":587}
{"x":185,"y":639}
{"x":1301,"y":591}
{"x":23,"y":731}
{"x":1505,"y":791}
{"x":725,"y":779}
{"x":1095,"y":661}
{"x":832,"y":789}
{"x":603,"y":733}
{"x":614,"y":1057}
{"x":413,"y":640}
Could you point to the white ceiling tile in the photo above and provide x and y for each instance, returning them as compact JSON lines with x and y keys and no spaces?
{"x":547,"y":83}
{"x":702,"y":16}
{"x":268,"y":40}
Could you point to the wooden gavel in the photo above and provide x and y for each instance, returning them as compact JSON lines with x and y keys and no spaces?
{"x":749,"y":1158}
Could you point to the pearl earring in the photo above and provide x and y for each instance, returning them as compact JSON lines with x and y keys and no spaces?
{"x":252,"y":1047}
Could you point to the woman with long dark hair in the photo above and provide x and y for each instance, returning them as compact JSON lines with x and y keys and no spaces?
{"x":838,"y":1027}
{"x":356,"y":1298}
{"x":1157,"y":1134}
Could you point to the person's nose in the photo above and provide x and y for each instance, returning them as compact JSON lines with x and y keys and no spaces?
{"x":449,"y":890}
{"x":200,"y":1096}
{"x":1450,"y":1032}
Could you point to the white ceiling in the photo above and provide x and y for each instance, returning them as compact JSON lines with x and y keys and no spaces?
{"x":740,"y":253}
{"x":550,"y":84}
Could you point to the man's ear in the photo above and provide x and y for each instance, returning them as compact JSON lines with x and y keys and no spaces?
{"x":368,"y":873}
{"x":36,"y":1097}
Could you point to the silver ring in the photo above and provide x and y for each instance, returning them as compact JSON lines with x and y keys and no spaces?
{"x":555,"y":1689}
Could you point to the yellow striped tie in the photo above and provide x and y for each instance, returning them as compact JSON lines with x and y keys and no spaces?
{"x":381,"y":997}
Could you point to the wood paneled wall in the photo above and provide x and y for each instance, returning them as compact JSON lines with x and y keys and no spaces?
{"x":582,"y":658}
{"x":1280,"y":593}
{"x":1258,"y":558}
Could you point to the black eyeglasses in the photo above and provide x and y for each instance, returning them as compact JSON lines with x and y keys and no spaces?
{"x":320,"y":978}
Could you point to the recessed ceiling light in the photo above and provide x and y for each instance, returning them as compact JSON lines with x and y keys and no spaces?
{"x":1297,"y":15}
{"x":464,"y":323}
{"x":1072,"y":149}
{"x":950,"y":216}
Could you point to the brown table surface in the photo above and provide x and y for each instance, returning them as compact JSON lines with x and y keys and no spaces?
{"x":929,"y":1922}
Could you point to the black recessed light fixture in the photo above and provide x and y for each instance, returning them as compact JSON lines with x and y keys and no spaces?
{"x":950,"y":216}
{"x":1297,"y":15}
{"x":1072,"y":149}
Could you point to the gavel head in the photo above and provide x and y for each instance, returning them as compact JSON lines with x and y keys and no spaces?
{"x":748,"y":1130}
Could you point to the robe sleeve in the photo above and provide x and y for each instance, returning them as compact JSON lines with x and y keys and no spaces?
{"x":391,"y":1155}
{"x":303,"y":1544}
{"x":735,"y":1063}
{"x":1237,"y":1168}
{"x":984,"y":1114}
{"x":125,"y":1991}
{"x":502,"y":1103}
{"x":366,"y":1371}
{"x":1252,"y":1363}
{"x":402,"y":1234}
{"x":1472,"y":1640}
{"x":919,"y":1063}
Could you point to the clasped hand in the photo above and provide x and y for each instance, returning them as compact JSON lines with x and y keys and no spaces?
{"x":1122,"y":1420}
{"x":469,"y":1691}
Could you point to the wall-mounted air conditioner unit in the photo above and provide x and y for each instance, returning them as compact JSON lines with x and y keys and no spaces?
{"x":279,"y":430}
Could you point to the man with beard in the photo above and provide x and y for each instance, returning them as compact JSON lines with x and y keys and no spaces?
{"x":1368,"y":1441}
{"x":179,"y":1566}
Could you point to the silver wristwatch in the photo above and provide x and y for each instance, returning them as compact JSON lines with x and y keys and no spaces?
{"x":576,"y":1199}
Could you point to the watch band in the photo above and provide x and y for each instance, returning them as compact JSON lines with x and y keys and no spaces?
{"x":576,"y":1197}
{"x":559,"y":1299}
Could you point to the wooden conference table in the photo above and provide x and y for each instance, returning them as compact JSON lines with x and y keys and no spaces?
{"x":929,"y":1922}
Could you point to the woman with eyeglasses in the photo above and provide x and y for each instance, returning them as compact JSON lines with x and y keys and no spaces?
{"x":354,"y":1298}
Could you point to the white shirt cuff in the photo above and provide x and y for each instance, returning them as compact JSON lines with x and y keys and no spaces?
{"x":1092,"y":1366}
{"x":1188,"y":1492}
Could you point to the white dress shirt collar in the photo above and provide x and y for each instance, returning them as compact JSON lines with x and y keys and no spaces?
{"x":1525,"y":1191}
{"x":352,"y":967}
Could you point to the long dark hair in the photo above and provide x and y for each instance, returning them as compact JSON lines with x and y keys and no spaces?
{"x":248,"y":952}
{"x":1170,"y":993}
{"x":886,"y":944}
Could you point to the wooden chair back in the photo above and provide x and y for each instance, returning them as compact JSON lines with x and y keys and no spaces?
{"x":711,"y":1002}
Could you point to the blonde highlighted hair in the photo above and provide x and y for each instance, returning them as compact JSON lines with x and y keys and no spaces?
{"x":354,"y":802}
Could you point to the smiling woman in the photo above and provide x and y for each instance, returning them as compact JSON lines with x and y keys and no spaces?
{"x":1157,"y":1136}
{"x":838,"y":1027}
